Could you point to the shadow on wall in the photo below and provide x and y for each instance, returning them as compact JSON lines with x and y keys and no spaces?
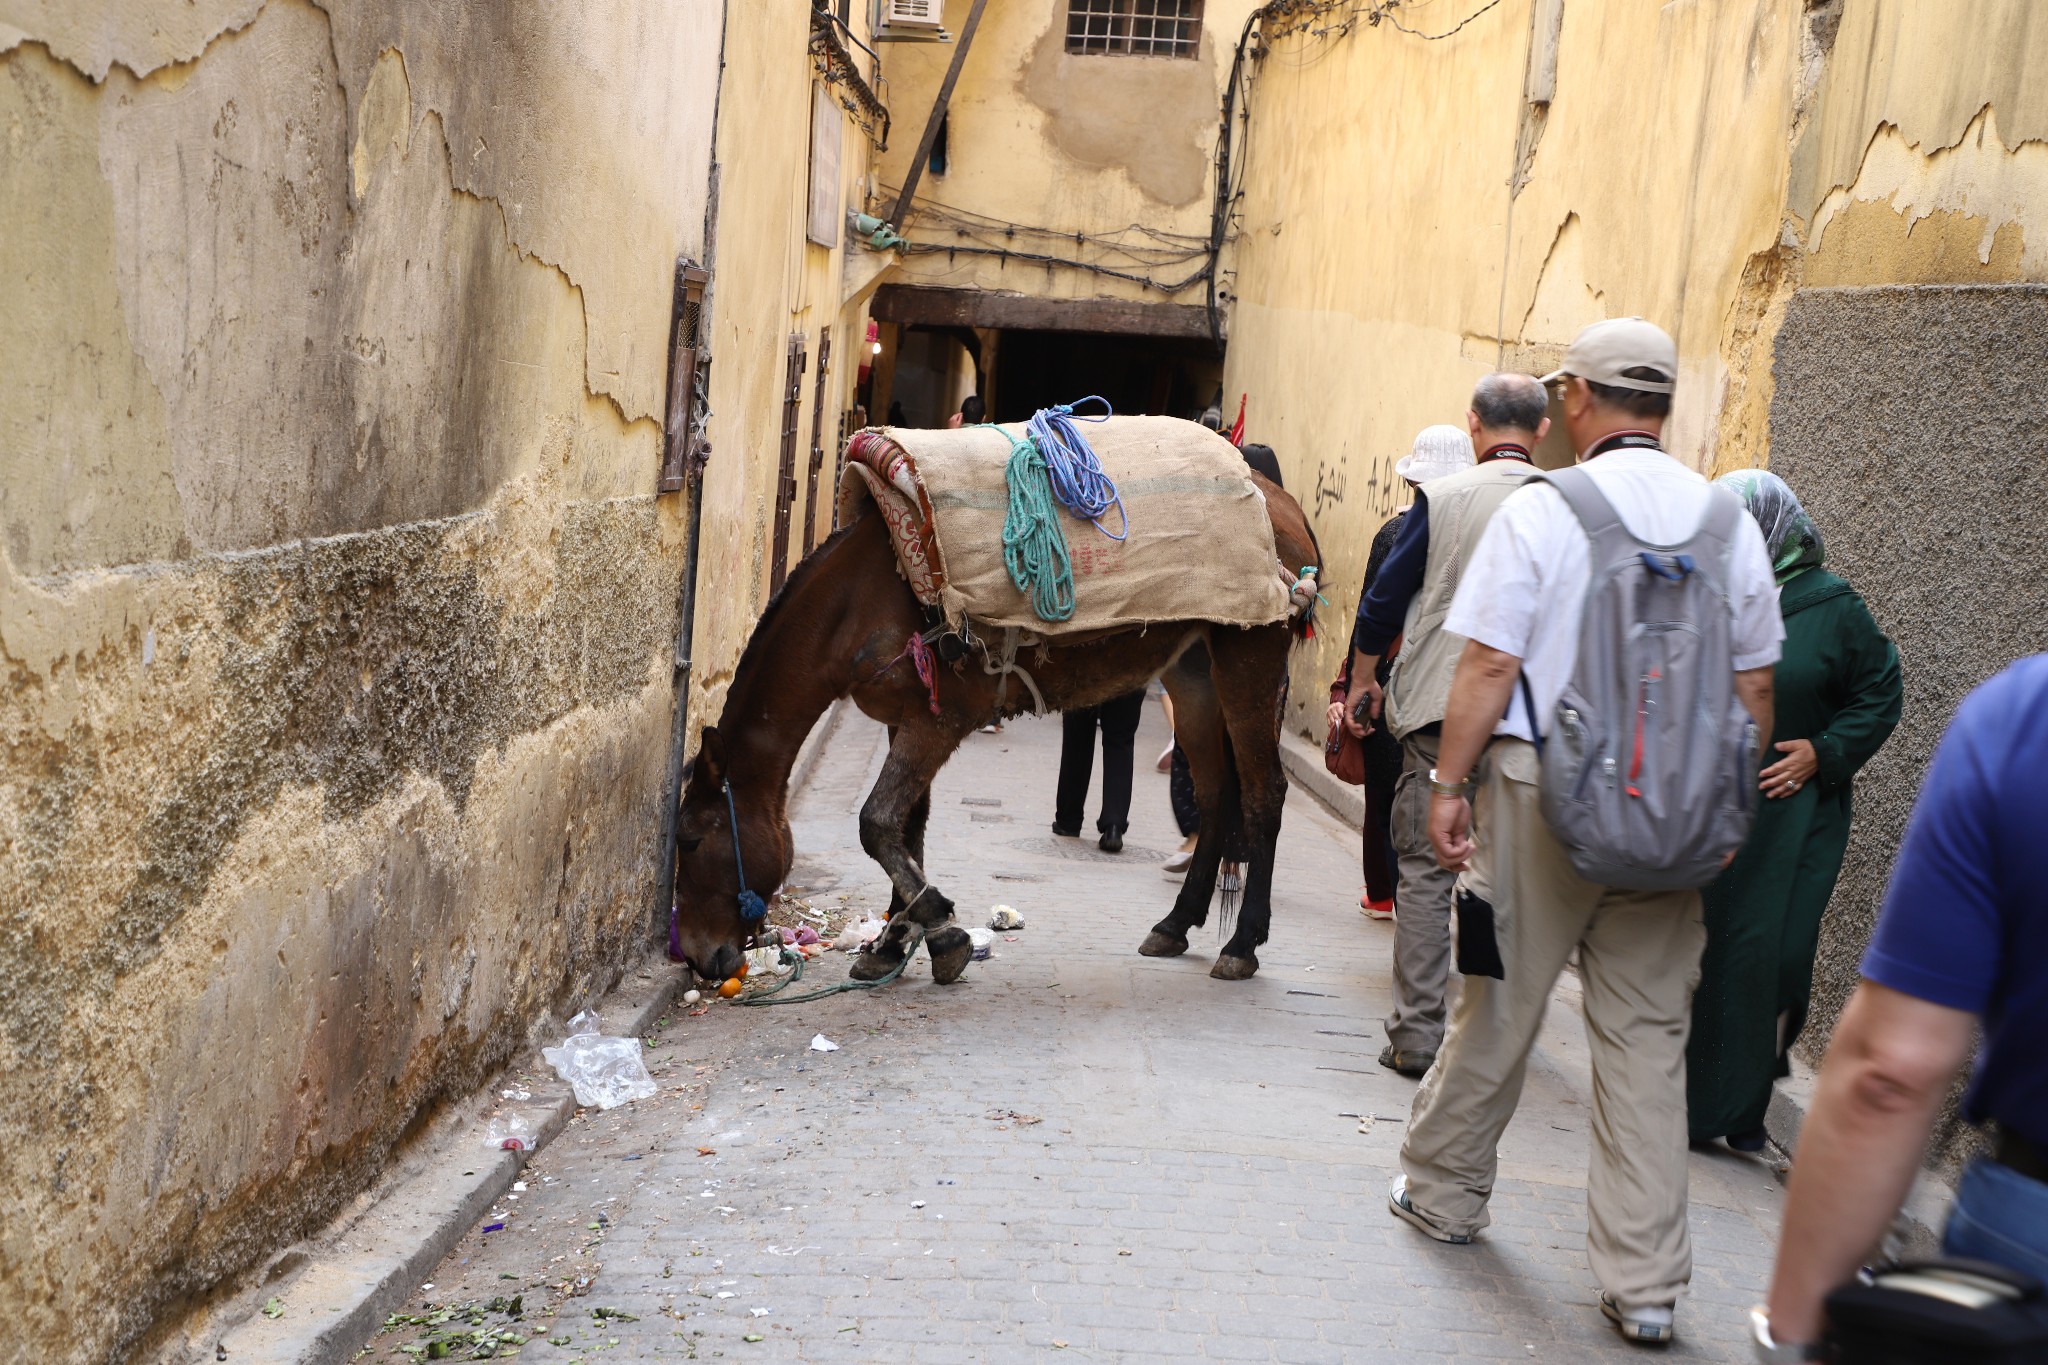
{"x":1904,"y":418}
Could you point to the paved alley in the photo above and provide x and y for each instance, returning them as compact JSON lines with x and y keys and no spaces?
{"x":1074,"y":1154}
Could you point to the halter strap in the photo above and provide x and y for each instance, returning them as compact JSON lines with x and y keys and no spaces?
{"x":752,"y":907}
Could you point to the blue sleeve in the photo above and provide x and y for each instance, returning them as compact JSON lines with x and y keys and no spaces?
{"x":1938,"y":937}
{"x":1383,"y":611}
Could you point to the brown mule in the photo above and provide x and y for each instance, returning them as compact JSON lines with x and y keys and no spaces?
{"x":840,"y":627}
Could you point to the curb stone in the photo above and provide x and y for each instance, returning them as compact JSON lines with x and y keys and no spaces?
{"x":1304,"y":764}
{"x":364,"y":1267}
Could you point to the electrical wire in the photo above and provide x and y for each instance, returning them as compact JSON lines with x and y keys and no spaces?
{"x":1384,"y":14}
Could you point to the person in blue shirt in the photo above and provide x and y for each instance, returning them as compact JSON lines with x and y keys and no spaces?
{"x":1962,"y":938}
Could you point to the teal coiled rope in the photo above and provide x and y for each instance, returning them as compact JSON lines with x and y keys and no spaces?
{"x":773,"y":995}
{"x":1052,"y":466}
{"x":1034,"y":546}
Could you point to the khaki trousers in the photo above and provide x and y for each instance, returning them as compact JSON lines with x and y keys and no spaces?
{"x":1422,"y":909}
{"x":1639,"y":955}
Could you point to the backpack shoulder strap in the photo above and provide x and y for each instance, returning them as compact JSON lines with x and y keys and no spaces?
{"x":1716,"y":536}
{"x":1602,"y":524}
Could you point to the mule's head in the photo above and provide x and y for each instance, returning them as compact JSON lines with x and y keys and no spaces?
{"x":710,"y":928}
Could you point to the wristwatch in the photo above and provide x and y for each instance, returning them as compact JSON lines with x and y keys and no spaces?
{"x":1442,"y":788}
{"x":1773,"y":1352}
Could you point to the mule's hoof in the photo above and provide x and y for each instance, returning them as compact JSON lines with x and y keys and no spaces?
{"x":1230,"y":968}
{"x":951,"y":949}
{"x":1158,"y":944}
{"x":873,"y":966}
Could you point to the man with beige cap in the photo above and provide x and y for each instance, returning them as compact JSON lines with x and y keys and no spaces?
{"x":1409,"y":598}
{"x":1638,"y":951}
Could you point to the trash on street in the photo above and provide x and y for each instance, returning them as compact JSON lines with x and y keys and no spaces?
{"x":605,"y":1072}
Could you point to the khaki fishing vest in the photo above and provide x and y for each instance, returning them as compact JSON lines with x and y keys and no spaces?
{"x":1460,"y":505}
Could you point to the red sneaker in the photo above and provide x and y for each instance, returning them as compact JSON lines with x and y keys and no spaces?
{"x":1376,"y":909}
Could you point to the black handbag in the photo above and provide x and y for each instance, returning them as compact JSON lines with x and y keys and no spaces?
{"x":1939,"y":1312}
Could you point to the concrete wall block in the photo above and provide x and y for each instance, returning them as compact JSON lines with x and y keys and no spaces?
{"x":1914,"y":397}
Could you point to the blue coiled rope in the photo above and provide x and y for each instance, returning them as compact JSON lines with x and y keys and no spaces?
{"x":1052,"y":466}
{"x":1077,"y":478}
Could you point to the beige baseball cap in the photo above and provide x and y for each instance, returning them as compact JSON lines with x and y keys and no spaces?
{"x":1602,"y":351}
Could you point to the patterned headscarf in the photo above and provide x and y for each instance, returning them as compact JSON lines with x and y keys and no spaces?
{"x":1789,"y":534}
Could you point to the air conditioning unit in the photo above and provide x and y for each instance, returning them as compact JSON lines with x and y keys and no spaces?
{"x":912,"y":21}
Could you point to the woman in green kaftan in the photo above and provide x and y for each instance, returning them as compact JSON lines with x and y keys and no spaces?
{"x":1837,"y":699}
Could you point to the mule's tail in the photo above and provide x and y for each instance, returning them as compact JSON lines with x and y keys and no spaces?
{"x":1234,"y":850}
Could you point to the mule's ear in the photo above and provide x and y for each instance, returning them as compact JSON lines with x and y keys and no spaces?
{"x":710,"y":765}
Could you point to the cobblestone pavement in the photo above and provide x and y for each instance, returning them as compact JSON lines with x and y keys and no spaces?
{"x":1076,"y":1153}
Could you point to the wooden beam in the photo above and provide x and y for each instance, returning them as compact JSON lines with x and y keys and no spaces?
{"x":923,"y":306}
{"x":931,"y":125}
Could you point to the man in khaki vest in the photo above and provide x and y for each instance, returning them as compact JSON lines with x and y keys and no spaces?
{"x":1408,"y":600}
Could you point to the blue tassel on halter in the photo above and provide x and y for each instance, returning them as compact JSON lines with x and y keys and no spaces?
{"x":752,"y":907}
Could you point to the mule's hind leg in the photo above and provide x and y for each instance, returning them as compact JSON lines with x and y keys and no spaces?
{"x":1249,"y":670}
{"x":892,"y":831}
{"x":1198,"y":729}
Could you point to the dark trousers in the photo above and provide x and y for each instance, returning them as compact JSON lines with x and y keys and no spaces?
{"x":1382,"y":771}
{"x":1119,"y":722}
{"x":1180,"y":789}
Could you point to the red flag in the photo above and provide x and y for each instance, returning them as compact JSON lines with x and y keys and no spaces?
{"x":1237,"y":432}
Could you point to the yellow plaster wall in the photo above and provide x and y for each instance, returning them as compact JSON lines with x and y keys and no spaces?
{"x":1097,"y":145}
{"x":769,"y":283}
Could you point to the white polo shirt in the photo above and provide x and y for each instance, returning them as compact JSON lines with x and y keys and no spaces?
{"x":1525,"y":589}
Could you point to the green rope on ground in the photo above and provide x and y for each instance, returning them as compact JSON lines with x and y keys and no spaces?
{"x":1034,"y":545}
{"x":773,"y":995}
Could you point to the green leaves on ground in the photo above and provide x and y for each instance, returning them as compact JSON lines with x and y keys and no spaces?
{"x":478,"y":1341}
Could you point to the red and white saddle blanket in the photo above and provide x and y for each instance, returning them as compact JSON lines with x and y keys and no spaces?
{"x":1199,"y":547}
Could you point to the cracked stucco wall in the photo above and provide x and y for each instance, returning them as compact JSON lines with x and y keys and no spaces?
{"x":335,"y":603}
{"x":1086,"y":144}
{"x":1804,"y":192}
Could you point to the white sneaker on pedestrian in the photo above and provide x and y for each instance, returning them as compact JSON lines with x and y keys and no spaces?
{"x":1176,"y":865}
{"x":1650,"y":1325}
{"x":1397,"y":1203}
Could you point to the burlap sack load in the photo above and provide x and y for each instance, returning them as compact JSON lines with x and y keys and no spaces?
{"x":1200,"y":546}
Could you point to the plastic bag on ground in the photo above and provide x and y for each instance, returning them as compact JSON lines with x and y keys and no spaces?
{"x":605,"y":1072}
{"x":859,"y":934}
{"x":1003,"y":917}
{"x":511,"y":1133}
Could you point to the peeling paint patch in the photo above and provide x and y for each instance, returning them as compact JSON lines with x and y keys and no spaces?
{"x":1980,"y":179}
{"x":1150,"y":117}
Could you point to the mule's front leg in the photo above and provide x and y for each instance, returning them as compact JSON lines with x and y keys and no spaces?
{"x":891,"y":830}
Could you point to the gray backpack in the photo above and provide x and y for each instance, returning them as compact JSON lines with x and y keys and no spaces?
{"x":1650,"y":766}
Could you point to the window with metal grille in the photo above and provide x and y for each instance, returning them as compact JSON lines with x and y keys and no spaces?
{"x":1136,"y":28}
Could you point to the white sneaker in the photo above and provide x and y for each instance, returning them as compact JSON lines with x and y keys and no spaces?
{"x":1650,"y":1324}
{"x":1398,"y":1205}
{"x":1176,"y":865}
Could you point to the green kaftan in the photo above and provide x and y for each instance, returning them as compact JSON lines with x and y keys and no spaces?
{"x":1837,"y":685}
